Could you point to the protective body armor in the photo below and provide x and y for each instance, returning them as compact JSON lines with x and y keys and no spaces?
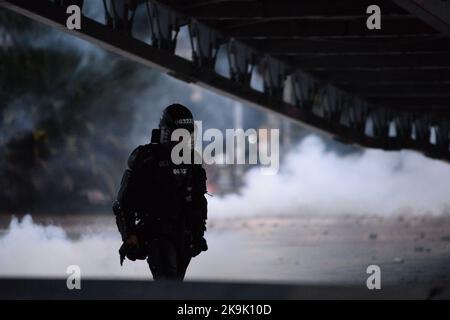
{"x":159,"y":200}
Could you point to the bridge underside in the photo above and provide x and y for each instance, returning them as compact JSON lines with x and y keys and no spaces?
{"x":317,"y":61}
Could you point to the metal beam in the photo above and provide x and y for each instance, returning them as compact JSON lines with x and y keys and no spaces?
{"x":240,"y":23}
{"x":399,"y":89}
{"x":328,"y":28}
{"x":358,"y":61}
{"x":285,"y":9}
{"x":436,"y":13}
{"x":299,"y":47}
{"x":443,"y":101}
{"x":383,"y":76}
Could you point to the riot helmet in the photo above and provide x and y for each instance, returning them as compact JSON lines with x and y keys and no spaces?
{"x":175,"y":116}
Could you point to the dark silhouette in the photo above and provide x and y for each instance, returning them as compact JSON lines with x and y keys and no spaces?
{"x":161,"y":209}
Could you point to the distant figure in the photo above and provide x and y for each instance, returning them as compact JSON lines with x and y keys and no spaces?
{"x":161,"y":209}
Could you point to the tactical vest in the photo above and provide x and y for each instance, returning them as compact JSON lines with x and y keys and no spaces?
{"x":168,"y":198}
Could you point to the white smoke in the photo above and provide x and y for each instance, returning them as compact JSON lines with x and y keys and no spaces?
{"x":313,"y":180}
{"x":28,"y":249}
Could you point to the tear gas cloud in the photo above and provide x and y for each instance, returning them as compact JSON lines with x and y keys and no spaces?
{"x":314,"y":180}
{"x":28,"y":249}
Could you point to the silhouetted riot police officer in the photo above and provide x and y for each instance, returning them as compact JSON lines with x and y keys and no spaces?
{"x":161,"y":209}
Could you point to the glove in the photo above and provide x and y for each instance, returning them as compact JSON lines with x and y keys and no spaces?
{"x":197,"y":246}
{"x":132,"y":252}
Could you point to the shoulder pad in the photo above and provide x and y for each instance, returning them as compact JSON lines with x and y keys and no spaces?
{"x":142,"y":155}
